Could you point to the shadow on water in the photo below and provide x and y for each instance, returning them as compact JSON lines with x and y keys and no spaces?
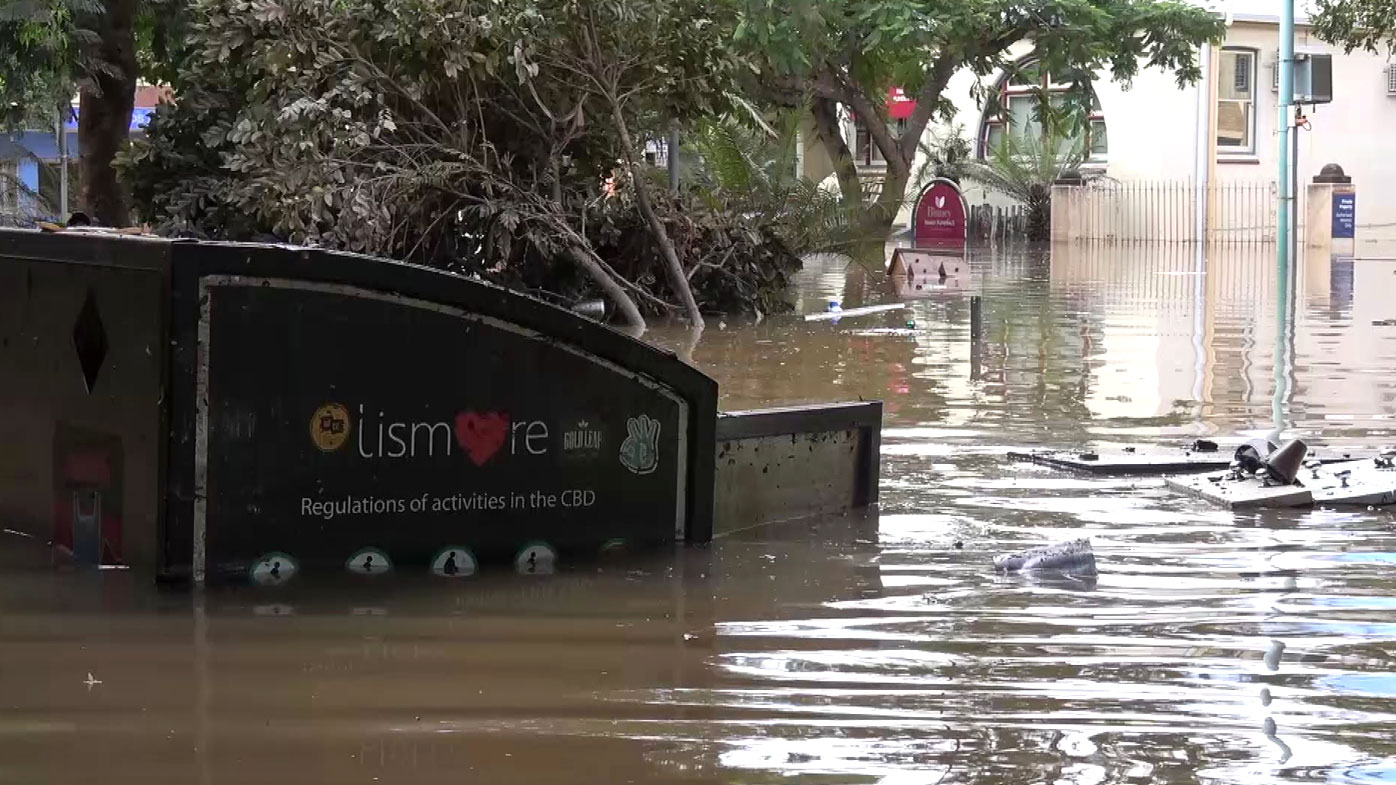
{"x":1216,"y":646}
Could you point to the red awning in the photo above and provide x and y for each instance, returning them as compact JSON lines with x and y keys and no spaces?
{"x":899,"y":106}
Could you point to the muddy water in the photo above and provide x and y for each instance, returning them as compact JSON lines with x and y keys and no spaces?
{"x":1219,"y":647}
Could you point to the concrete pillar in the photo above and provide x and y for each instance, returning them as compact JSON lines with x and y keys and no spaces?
{"x":1066,"y":208}
{"x":1331,"y":205}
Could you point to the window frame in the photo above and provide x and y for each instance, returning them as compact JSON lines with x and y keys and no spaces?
{"x":865,"y":150}
{"x":1007,"y":90}
{"x":1248,"y":149}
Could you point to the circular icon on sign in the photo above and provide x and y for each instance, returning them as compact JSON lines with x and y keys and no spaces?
{"x":369,"y":561}
{"x":535,"y":558}
{"x":273,"y":569}
{"x":453,"y":562}
{"x":329,"y":427}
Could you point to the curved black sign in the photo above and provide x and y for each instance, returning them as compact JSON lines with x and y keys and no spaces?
{"x":340,"y":411}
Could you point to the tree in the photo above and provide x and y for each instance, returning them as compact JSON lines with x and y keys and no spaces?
{"x":477,"y":135}
{"x":823,"y":54}
{"x":51,"y":48}
{"x":1025,"y":166}
{"x":1357,"y":24}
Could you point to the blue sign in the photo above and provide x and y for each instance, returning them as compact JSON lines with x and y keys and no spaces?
{"x":1344,"y":215}
{"x":140,"y":116}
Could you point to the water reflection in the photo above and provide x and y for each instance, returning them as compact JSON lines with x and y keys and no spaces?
{"x":1249,"y":647}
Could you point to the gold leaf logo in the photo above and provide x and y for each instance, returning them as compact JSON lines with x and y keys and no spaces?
{"x":329,"y":427}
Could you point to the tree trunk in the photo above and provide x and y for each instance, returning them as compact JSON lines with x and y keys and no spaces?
{"x":826,"y":126}
{"x":889,"y":202}
{"x":104,"y":113}
{"x":677,"y":280}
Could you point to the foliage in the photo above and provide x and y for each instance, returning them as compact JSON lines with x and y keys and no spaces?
{"x":819,"y":53}
{"x":476,"y":135}
{"x":1357,"y":24}
{"x":51,"y":49}
{"x":749,"y":170}
{"x":1025,"y":166}
{"x":946,"y":154}
{"x":41,"y":57}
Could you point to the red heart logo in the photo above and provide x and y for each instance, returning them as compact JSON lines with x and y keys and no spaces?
{"x":481,"y":435}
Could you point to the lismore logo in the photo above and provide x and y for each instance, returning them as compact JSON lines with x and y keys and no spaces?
{"x":583,"y":439}
{"x":481,"y":435}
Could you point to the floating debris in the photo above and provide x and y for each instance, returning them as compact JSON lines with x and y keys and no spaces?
{"x":1074,"y":557}
{"x":842,"y":313}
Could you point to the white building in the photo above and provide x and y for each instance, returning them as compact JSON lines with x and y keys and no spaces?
{"x":1152,"y":130}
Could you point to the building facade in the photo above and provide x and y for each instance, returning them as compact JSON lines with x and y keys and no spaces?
{"x":31,"y":163}
{"x":1155,"y":132}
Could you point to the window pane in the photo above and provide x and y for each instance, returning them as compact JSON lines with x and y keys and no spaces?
{"x":1237,"y":76}
{"x":1028,"y":75}
{"x":994,"y":139}
{"x":1022,"y":114}
{"x":50,"y":186}
{"x":861,"y":142}
{"x":1234,"y":124}
{"x":1099,"y":143}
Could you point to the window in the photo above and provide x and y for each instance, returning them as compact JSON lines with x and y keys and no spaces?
{"x":50,"y":187}
{"x":9,"y":189}
{"x":866,"y":150}
{"x":1016,"y":112}
{"x":1236,"y":101}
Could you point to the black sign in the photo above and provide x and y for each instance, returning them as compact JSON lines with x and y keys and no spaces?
{"x":1344,"y":215}
{"x":345,"y":426}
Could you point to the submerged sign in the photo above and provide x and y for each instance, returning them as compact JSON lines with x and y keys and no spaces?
{"x":939,"y":217}
{"x":341,"y":420}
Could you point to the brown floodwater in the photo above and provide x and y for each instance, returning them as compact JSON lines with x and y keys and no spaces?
{"x":1214,"y":646}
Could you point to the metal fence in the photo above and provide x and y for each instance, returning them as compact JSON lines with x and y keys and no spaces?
{"x":997,"y":223}
{"x":1152,"y":211}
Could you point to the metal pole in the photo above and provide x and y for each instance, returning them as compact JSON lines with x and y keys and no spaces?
{"x":1201,"y":147}
{"x":674,"y":160}
{"x":1294,"y":189}
{"x":62,"y":140}
{"x":1282,"y":212}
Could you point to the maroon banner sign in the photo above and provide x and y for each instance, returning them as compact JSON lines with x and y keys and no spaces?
{"x":939,"y":218}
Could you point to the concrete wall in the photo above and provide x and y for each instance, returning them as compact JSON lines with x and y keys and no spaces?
{"x":43,"y":390}
{"x":781,"y":464}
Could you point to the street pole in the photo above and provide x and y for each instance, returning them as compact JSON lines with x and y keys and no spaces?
{"x":1284,"y":211}
{"x":62,"y":140}
{"x":1201,"y":149}
{"x":674,"y":159}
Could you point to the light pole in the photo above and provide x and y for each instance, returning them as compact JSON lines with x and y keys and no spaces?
{"x":1284,"y":211}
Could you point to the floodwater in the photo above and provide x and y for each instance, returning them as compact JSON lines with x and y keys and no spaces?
{"x":1254,"y":647}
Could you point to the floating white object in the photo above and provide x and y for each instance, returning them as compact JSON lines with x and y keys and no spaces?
{"x":1073,"y":556}
{"x":867,"y":309}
